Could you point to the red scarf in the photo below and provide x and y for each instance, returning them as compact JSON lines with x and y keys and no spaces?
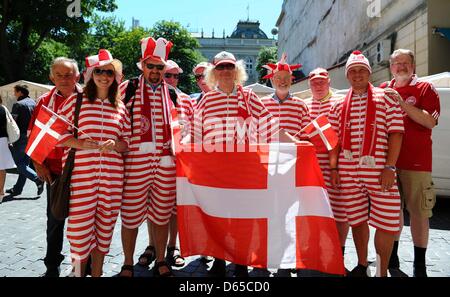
{"x":367,"y":156}
{"x":166,"y":115}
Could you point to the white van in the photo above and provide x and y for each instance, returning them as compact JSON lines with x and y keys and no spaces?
{"x":441,"y":145}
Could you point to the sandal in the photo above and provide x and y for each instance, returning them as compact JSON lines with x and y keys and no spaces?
{"x":147,"y":257}
{"x":159,"y":265}
{"x":173,"y":257}
{"x":126,"y":268}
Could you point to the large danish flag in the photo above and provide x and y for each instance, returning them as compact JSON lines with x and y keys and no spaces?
{"x":265,"y":208}
{"x":46,"y":132}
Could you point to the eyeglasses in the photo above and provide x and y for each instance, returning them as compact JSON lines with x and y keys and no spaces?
{"x":225,"y":67}
{"x":108,"y":72}
{"x":199,"y":77}
{"x":401,"y":64}
{"x":151,"y":66}
{"x":170,"y":75}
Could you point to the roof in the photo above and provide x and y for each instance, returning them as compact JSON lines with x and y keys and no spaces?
{"x":248,"y":30}
{"x":259,"y":88}
{"x":29,"y":83}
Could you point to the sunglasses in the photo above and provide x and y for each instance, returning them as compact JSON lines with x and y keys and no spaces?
{"x":108,"y":72}
{"x":225,"y":67}
{"x":170,"y":75}
{"x":199,"y":76}
{"x":151,"y":66}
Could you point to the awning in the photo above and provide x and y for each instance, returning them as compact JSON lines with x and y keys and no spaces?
{"x":443,"y":32}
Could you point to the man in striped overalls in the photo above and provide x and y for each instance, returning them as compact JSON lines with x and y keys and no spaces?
{"x":370,"y":127}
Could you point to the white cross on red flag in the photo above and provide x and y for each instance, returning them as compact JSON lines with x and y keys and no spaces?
{"x":265,"y":208}
{"x":321,"y":134}
{"x":46,"y":133}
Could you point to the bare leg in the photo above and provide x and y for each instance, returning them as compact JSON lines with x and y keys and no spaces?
{"x":128,"y":244}
{"x":97,"y":263}
{"x":343,"y":232}
{"x":160,"y":234}
{"x":173,"y":231}
{"x":361,"y":240}
{"x":2,"y":181}
{"x":383,"y":246}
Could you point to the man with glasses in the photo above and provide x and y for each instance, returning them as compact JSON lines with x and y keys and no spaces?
{"x":64,"y":74}
{"x":199,"y":73}
{"x":421,"y":109}
{"x":319,"y":103}
{"x":224,"y":111}
{"x":150,"y":185}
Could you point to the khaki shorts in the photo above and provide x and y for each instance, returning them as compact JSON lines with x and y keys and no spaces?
{"x":417,"y":192}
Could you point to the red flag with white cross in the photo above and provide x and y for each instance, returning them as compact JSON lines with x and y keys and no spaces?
{"x":46,"y":133}
{"x":321,"y":134}
{"x":266,"y":207}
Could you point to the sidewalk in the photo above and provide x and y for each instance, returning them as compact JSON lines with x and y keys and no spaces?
{"x":23,"y":245}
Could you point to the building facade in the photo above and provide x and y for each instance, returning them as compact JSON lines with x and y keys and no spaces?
{"x":245,"y":43}
{"x":323,"y":33}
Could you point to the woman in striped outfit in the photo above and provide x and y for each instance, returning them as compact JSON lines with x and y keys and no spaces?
{"x":97,"y":177}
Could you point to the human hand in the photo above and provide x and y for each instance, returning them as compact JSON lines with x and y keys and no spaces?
{"x":108,"y":145}
{"x":335,"y":179}
{"x":387,"y":179}
{"x":394,"y":95}
{"x":89,"y":144}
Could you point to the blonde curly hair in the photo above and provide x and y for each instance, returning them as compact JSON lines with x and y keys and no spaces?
{"x":241,"y":75}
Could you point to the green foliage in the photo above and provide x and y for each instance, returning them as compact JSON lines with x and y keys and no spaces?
{"x":184,"y":52}
{"x":266,"y":55}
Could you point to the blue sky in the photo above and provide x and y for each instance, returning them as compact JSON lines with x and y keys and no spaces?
{"x":198,"y":14}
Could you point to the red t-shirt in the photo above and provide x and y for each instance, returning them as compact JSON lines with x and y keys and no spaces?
{"x":416,"y":151}
{"x":54,"y":159}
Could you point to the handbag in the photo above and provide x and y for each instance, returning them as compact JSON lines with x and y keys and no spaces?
{"x":12,"y":129}
{"x":60,"y":187}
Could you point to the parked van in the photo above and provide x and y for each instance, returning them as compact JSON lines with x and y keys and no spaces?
{"x":441,"y":145}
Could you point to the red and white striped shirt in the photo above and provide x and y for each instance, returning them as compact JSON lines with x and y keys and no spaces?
{"x":291,"y":114}
{"x":388,"y":117}
{"x":219,"y":118}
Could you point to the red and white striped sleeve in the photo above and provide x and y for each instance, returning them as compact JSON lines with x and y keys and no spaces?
{"x":67,"y":110}
{"x":394,"y":116}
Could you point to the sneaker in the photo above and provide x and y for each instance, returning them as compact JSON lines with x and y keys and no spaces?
{"x":218,"y":268}
{"x":206,"y":259}
{"x":40,"y":187}
{"x":420,"y":271}
{"x":359,"y":271}
{"x":12,"y":192}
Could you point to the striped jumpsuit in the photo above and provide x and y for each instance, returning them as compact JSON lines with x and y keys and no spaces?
{"x":97,"y":178}
{"x":292,"y":114}
{"x":150,"y":187}
{"x":217,"y":115}
{"x":360,"y":184}
{"x":317,"y":108}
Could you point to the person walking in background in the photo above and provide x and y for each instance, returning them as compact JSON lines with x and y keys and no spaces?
{"x":98,"y":173}
{"x":6,"y":160}
{"x":22,"y":112}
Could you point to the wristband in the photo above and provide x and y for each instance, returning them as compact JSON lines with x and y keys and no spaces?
{"x":393,"y":168}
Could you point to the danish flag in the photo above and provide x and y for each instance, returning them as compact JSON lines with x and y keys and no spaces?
{"x":321,"y":134}
{"x":46,"y":132}
{"x":265,"y":208}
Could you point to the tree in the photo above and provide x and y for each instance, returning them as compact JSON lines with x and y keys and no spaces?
{"x":266,"y":55}
{"x":26,"y":24}
{"x":184,"y":52}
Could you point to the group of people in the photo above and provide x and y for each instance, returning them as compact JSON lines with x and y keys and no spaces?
{"x":124,"y":159}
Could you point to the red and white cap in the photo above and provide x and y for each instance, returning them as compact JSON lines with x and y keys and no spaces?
{"x":170,"y":64}
{"x":224,"y":57}
{"x":357,"y":59}
{"x":103,"y":58}
{"x":318,"y":73}
{"x":280,"y":66}
{"x":201,"y":65}
{"x":157,"y":49}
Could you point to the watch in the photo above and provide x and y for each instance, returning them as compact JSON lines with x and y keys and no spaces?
{"x":393,"y":168}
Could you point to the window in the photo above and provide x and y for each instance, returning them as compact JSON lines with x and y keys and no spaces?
{"x":249,"y":65}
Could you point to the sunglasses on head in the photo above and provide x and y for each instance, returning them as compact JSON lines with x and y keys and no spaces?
{"x":325,"y":74}
{"x":108,"y":72}
{"x":151,"y":66}
{"x":226,"y":66}
{"x":170,"y":75}
{"x":199,"y":76}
